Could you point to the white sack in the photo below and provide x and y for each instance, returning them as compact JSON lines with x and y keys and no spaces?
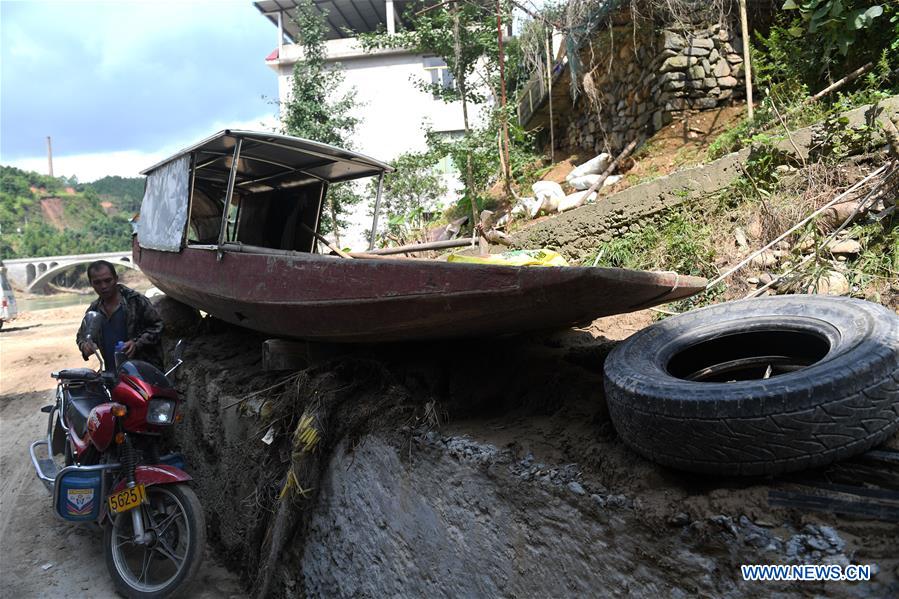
{"x":575,"y":200}
{"x":594,"y":166}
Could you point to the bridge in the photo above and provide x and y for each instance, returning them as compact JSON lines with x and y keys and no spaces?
{"x":33,"y":274}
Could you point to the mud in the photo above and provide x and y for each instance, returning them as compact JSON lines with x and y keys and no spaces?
{"x":476,"y":469}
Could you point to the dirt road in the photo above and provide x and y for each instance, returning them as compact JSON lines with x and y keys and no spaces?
{"x":40,"y":555}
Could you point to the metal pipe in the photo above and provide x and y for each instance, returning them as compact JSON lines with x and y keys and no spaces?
{"x":232,"y":177}
{"x":374,"y":224}
{"x":421,"y":247}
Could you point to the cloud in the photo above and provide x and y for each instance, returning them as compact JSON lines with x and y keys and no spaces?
{"x":114,"y":76}
{"x":91,"y":166}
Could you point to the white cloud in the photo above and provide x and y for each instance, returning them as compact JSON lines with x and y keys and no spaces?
{"x":128,"y":163}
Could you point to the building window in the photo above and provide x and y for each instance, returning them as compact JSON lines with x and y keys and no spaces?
{"x":446,"y":166}
{"x":440,"y":74}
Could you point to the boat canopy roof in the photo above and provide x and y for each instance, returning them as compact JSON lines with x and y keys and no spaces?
{"x":265,"y":162}
{"x":272,"y":157}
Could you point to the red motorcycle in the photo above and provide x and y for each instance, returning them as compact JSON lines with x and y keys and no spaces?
{"x":110,"y":428}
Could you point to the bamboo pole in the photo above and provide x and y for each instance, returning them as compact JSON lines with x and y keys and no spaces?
{"x":747,"y":67}
{"x":549,"y":92}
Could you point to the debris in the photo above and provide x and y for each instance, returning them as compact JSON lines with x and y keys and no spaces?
{"x":269,"y":436}
{"x":740,"y":238}
{"x":753,"y":280}
{"x":845,"y":247}
{"x":575,"y":200}
{"x":594,"y":166}
{"x":46,"y":566}
{"x":764,"y":259}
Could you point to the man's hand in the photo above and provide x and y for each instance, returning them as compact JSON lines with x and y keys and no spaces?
{"x":129,"y":348}
{"x":87,"y":349}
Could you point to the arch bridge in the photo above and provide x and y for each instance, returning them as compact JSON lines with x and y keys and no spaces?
{"x":33,"y":274}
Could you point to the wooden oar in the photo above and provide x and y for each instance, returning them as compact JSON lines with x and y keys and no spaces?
{"x":324,"y":240}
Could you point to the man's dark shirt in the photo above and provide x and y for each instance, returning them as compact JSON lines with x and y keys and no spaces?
{"x":112,"y":330}
{"x":143,"y":325}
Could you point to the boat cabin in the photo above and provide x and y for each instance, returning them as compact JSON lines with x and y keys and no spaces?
{"x":241,"y":189}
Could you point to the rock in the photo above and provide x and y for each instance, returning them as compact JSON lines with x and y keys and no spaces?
{"x":765,"y":278}
{"x":680,"y":519}
{"x":722,"y":69}
{"x":733,"y":58}
{"x":180,"y":319}
{"x":727,"y":81}
{"x":753,"y":280}
{"x":674,"y":85}
{"x":672,"y":41}
{"x":725,"y":94}
{"x":576,"y":488}
{"x":764,"y":260}
{"x":832,"y":283}
{"x":714,"y":56}
{"x":696,"y":72}
{"x":837,"y":214}
{"x":705,"y":103}
{"x":706,"y":43}
{"x":694,"y":51}
{"x":672,"y":76}
{"x":674,"y":63}
{"x":845,"y":247}
{"x":709,"y":83}
{"x":740,"y":237}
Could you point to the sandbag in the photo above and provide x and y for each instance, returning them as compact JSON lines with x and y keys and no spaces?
{"x":594,"y":166}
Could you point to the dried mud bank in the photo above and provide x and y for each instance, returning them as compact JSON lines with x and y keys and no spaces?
{"x":433,"y":473}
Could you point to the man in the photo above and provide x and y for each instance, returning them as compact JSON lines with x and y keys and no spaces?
{"x":125,"y":315}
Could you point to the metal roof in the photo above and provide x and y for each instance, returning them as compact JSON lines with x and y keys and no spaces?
{"x":274,"y":159}
{"x":345,"y":18}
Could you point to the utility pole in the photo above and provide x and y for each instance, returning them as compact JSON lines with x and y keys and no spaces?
{"x":49,"y":156}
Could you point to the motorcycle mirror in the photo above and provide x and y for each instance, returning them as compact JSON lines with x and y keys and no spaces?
{"x":91,"y":323}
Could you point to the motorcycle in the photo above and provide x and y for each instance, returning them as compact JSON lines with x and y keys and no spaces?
{"x":110,"y":428}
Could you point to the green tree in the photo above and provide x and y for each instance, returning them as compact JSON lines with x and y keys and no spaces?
{"x":410,"y":196}
{"x":464,"y":35}
{"x":314,"y":112}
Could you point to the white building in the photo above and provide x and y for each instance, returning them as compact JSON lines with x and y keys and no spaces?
{"x":392,"y":109}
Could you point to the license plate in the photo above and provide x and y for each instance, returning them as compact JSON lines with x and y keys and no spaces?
{"x":127,"y":499}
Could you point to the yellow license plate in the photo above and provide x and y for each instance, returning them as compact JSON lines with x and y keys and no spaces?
{"x":127,"y":499}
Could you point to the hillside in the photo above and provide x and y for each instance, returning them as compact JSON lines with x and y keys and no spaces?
{"x":45,"y":216}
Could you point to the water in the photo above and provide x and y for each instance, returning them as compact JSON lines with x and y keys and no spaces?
{"x":57,"y":300}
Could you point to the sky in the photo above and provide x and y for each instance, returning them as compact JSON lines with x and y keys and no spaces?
{"x":120,"y":85}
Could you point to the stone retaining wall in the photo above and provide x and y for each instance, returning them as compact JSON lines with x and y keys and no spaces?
{"x":638,"y":79}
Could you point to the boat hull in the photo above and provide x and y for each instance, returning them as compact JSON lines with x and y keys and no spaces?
{"x":327,"y":298}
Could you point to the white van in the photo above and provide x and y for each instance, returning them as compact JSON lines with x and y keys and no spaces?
{"x":8,"y":309}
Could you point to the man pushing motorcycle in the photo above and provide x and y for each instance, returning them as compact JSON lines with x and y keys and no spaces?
{"x":126,"y":316}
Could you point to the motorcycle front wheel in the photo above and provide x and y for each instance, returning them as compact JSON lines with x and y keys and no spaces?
{"x":165,"y":565}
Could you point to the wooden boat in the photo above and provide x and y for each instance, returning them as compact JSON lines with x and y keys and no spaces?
{"x":230,"y":226}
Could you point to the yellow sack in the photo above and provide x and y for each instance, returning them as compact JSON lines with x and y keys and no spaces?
{"x":514,"y":258}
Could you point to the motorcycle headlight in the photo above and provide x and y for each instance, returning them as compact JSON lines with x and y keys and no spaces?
{"x":161,"y":411}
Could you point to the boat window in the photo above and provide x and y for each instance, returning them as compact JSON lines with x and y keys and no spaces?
{"x":164,"y":207}
{"x":280,"y":219}
{"x":205,"y":216}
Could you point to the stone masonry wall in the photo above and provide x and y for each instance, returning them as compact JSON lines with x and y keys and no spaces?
{"x":637,"y":81}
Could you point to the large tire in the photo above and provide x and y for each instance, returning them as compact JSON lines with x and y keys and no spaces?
{"x":186,"y":532}
{"x":690,"y":392}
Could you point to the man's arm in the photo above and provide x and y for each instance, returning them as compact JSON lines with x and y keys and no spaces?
{"x":148,"y":323}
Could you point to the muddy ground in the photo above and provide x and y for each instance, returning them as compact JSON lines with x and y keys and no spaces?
{"x":477,"y":469}
{"x":40,"y":555}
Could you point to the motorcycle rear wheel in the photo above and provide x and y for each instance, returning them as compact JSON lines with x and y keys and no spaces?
{"x":165,"y":566}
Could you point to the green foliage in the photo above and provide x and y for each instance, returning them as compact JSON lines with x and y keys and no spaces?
{"x":314,"y":112}
{"x":23,"y":231}
{"x":680,"y":242}
{"x":125,"y":193}
{"x":877,"y":266}
{"x":834,"y":25}
{"x":410,"y":195}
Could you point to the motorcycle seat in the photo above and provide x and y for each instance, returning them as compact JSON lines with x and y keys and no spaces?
{"x":81,"y":401}
{"x":78,"y":374}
